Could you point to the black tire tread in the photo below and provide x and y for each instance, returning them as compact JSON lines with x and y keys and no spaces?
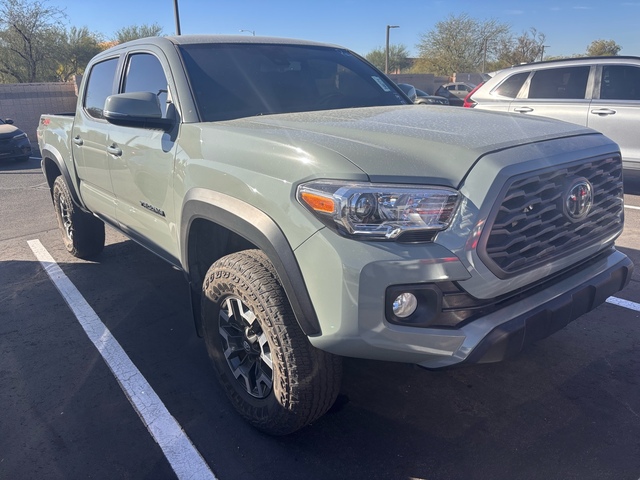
{"x":88,"y":231}
{"x":310,"y":378}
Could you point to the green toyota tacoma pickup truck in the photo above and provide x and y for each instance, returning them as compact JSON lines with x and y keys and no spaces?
{"x":317,"y":214}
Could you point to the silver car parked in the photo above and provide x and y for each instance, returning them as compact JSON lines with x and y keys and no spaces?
{"x":459,"y":89}
{"x":602,"y":93}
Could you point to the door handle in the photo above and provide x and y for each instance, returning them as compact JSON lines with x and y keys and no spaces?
{"x":113,"y":149}
{"x":523,"y":109}
{"x":603,"y":111}
{"x":77,"y":140}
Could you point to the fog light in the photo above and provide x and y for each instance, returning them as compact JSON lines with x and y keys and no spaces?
{"x":404,"y":305}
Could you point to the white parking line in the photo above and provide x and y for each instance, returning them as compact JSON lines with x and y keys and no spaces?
{"x":183,"y":456}
{"x":624,"y":303}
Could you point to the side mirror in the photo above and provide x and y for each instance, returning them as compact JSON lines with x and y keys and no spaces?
{"x":9,"y":121}
{"x":136,"y":109}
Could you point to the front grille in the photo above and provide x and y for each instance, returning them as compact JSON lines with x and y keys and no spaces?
{"x":531,"y":227}
{"x":6,"y":146}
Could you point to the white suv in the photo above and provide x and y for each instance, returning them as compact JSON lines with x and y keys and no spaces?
{"x":602,"y":93}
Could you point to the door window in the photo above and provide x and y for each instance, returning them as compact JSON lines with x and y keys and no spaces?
{"x":145,"y":74}
{"x":560,"y":83}
{"x":512,"y":85}
{"x":99,"y":86}
{"x":620,"y":82}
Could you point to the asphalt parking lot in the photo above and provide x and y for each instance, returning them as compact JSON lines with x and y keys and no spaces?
{"x":77,"y":406}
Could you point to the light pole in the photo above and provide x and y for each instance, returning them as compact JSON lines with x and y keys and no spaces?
{"x":252,"y":32}
{"x":386,"y":51}
{"x":177,"y":15}
{"x":542,"y":47}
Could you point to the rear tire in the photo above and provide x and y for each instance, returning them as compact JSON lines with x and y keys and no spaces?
{"x":82,"y":233}
{"x":270,"y":372}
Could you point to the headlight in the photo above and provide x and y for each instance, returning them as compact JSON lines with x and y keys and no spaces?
{"x":20,"y":136}
{"x":380,"y":211}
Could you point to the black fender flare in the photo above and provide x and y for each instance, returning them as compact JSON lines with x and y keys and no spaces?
{"x":49,"y":152}
{"x":257,"y":227}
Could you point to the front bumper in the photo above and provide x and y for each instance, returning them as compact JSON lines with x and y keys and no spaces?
{"x":10,"y":148}
{"x":511,"y":337}
{"x":351,"y":310}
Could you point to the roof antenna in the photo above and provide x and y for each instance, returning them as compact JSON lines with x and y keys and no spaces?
{"x":177,"y":15}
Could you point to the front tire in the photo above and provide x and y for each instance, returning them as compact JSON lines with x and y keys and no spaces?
{"x":271,"y":373}
{"x":82,"y":233}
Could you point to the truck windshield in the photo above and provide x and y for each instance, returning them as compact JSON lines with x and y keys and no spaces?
{"x":242,"y":80}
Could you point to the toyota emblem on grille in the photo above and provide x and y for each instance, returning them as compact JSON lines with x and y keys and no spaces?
{"x":579,"y":199}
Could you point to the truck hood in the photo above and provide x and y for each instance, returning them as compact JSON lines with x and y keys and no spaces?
{"x":409,"y":143}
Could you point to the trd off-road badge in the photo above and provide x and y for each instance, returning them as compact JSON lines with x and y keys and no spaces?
{"x":578,"y":201}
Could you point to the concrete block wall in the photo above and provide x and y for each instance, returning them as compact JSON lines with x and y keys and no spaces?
{"x":472,"y":78}
{"x":427,"y":82}
{"x":25,"y":102}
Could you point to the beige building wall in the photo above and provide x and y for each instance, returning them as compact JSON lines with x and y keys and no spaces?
{"x":426,"y":82}
{"x":429,"y":82}
{"x":25,"y":102}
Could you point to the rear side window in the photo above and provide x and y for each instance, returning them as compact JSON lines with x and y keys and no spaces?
{"x":560,"y":83}
{"x":620,"y":82}
{"x":512,"y":85}
{"x":145,"y":74}
{"x":99,"y":86}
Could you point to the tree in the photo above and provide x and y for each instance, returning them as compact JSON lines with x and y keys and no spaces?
{"x":78,"y":47}
{"x":133,"y":32}
{"x":29,"y":38}
{"x":526,"y":48}
{"x":602,"y":48}
{"x":398,"y":58}
{"x":460,"y":44}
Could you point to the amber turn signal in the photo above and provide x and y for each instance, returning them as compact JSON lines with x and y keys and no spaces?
{"x":318,"y":202}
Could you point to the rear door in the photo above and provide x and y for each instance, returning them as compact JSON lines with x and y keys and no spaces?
{"x":559,"y":93}
{"x":142,"y":159}
{"x":90,"y":136}
{"x":615,"y":109}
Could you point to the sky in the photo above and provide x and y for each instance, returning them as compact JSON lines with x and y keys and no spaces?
{"x":361,"y":25}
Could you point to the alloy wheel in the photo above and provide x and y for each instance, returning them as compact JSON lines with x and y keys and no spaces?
{"x":246,"y":348}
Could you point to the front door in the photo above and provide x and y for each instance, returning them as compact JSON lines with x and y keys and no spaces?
{"x":616,"y":112}
{"x":142,"y":162}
